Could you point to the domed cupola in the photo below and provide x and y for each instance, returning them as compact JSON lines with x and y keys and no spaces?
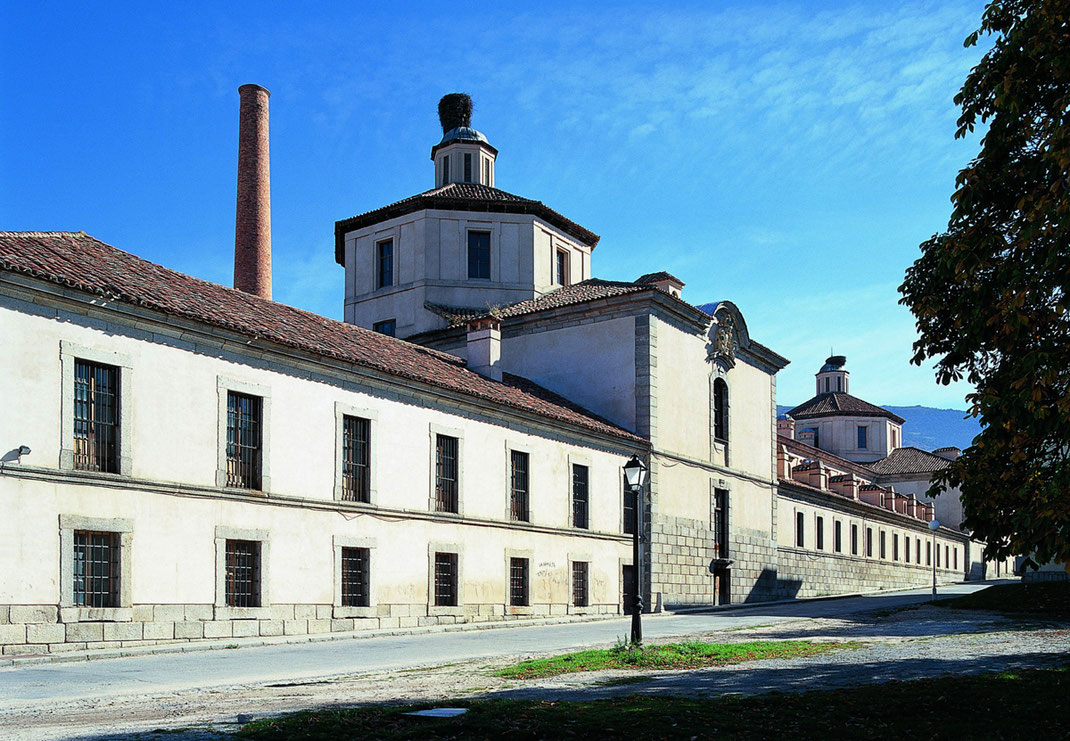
{"x":832,"y":377}
{"x":464,"y":155}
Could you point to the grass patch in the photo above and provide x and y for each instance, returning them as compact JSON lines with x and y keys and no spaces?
{"x":1048,"y":599}
{"x":1028,"y":704}
{"x":688,"y":655}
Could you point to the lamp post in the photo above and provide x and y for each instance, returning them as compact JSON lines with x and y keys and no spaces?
{"x":934,"y":526}
{"x":634,"y":478}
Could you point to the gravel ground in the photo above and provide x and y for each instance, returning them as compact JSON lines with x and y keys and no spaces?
{"x":906,"y":644}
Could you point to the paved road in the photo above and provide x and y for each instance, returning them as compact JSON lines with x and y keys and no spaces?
{"x":27,"y":686}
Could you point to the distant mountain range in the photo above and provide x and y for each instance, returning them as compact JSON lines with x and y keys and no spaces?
{"x":928,"y":428}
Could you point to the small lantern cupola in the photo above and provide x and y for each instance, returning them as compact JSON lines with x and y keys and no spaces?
{"x":832,"y":377}
{"x":464,"y":155}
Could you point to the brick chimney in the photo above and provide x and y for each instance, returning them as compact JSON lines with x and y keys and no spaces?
{"x":252,"y":230}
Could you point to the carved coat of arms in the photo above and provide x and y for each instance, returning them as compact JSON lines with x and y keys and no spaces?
{"x":725,"y":343}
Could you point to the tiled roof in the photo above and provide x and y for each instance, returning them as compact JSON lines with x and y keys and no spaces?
{"x":81,"y":262}
{"x":658,"y":276}
{"x":909,"y":460}
{"x":837,"y":403}
{"x":460,"y":197}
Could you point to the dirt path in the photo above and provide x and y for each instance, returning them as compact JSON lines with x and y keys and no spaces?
{"x":906,"y":644}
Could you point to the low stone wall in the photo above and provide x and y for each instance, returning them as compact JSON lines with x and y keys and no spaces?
{"x":36,"y":629}
{"x":818,"y":574}
{"x":1043,"y":575}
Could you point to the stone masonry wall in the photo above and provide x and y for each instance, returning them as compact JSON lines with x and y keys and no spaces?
{"x":812,"y":574}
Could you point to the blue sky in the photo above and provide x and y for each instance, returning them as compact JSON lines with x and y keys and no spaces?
{"x":790,"y":157}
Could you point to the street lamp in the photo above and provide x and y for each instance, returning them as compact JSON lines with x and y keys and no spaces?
{"x":634,"y":478}
{"x":934,"y":526}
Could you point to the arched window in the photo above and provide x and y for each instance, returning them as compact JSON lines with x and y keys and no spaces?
{"x":720,"y":410}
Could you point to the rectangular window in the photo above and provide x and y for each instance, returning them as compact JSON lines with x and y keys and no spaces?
{"x":837,"y":540}
{"x":917,"y":551}
{"x":467,"y":167}
{"x":96,"y":569}
{"x":356,"y":459}
{"x":580,"y":595}
{"x":580,"y":475}
{"x":389,"y":327}
{"x":479,"y":255}
{"x":800,"y":535}
{"x":244,"y":451}
{"x":938,"y":556}
{"x":445,"y":579}
{"x":518,"y":486}
{"x":869,"y":542}
{"x":446,"y":470}
{"x":96,"y":417}
{"x":955,"y":553}
{"x":820,"y":533}
{"x":895,"y":546}
{"x":385,"y":275}
{"x":854,"y":540}
{"x":486,"y":171}
{"x":862,"y":430}
{"x":928,"y":554}
{"x":518,"y":582}
{"x":947,"y":557}
{"x":355,"y":571}
{"x":720,"y":523}
{"x":561,"y":268}
{"x":445,"y":169}
{"x":629,"y":510}
{"x":906,"y":548}
{"x":884,"y":553}
{"x":243,"y":573}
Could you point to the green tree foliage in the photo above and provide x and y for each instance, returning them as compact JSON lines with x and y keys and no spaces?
{"x":990,"y":294}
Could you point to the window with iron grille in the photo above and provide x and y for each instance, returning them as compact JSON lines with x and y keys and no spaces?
{"x":479,"y":255}
{"x":243,"y":573}
{"x":96,"y":569}
{"x":446,"y":470}
{"x":385,"y":267}
{"x":580,"y":594}
{"x":630,"y":519}
{"x":720,"y":523}
{"x":518,"y":582}
{"x":96,"y":417}
{"x":355,"y":572}
{"x":518,"y":486}
{"x":445,"y":579}
{"x":243,"y":440}
{"x":356,"y":459}
{"x":579,"y":495}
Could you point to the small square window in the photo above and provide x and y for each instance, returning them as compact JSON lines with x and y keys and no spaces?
{"x":96,"y":569}
{"x":580,"y":593}
{"x":355,"y":572}
{"x":243,"y":573}
{"x":518,"y":582}
{"x":445,"y":579}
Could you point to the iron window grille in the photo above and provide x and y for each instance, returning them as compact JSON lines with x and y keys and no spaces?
{"x":629,"y":510}
{"x":356,"y":459}
{"x":445,"y":579}
{"x":580,"y":479}
{"x":580,"y":595}
{"x":479,"y":255}
{"x":355,"y":572}
{"x":720,"y":523}
{"x":243,"y":573}
{"x":96,"y":417}
{"x":386,"y":264}
{"x":446,"y":470}
{"x":96,"y":569}
{"x":518,"y":582}
{"x":243,"y":440}
{"x":518,"y":489}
